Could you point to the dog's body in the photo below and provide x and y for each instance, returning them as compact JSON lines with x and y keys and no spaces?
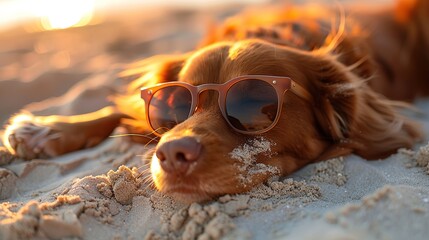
{"x":346,"y":68}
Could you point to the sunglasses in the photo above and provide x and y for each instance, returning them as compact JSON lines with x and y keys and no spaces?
{"x":250,"y":104}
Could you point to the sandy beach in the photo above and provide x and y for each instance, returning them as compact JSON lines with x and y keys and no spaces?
{"x":105,"y":192}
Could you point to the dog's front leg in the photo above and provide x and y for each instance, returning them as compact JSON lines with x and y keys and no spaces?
{"x":30,"y":137}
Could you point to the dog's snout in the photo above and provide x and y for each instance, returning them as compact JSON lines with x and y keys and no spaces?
{"x":177,"y":155}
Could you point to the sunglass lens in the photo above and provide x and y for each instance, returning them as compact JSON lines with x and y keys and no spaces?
{"x":251,"y":105}
{"x":168,"y":107}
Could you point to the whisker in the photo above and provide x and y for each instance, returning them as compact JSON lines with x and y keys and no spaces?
{"x":147,"y":156}
{"x":147,"y":179}
{"x":144,"y":177}
{"x":146,"y":161}
{"x":136,"y":135}
{"x":146,"y":166}
{"x":150,"y":142}
{"x":151,"y":185}
{"x":165,"y":129}
{"x":144,"y":172}
{"x":148,"y":186}
{"x":147,"y":135}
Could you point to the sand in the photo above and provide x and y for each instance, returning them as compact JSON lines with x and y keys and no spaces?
{"x":105,"y":192}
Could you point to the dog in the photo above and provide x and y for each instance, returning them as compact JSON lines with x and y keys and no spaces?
{"x":266,"y":93}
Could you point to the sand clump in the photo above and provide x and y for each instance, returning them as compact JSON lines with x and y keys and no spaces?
{"x":95,"y":203}
{"x":215,"y":219}
{"x":5,"y":156}
{"x":122,"y":185}
{"x":422,"y":158}
{"x":100,"y":209}
{"x":45,"y":220}
{"x":417,"y":159}
{"x":331,"y":171}
{"x":247,"y":164}
{"x":7,"y":183}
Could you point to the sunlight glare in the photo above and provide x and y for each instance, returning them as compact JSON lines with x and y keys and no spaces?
{"x":61,"y":14}
{"x":155,"y":169}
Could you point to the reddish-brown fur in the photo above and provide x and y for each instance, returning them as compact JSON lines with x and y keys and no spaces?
{"x":351,"y":70}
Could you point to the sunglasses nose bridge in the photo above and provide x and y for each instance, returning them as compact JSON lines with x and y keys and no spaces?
{"x":208,"y":88}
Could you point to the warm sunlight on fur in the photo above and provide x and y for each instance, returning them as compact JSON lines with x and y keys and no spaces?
{"x":16,"y":122}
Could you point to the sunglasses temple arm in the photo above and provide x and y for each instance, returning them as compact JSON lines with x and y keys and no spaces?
{"x":300,"y":91}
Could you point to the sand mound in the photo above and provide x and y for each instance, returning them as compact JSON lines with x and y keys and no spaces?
{"x":122,"y":185}
{"x":331,"y":171}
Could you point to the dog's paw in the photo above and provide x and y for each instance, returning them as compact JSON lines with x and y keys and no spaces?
{"x":28,"y":138}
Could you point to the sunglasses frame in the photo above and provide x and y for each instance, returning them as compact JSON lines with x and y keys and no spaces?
{"x":280,"y":84}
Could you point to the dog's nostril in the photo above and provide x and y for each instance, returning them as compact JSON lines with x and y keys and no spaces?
{"x":160,"y":155}
{"x":181,"y":157}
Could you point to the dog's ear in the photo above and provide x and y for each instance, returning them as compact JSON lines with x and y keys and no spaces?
{"x":169,"y":70}
{"x":153,"y":70}
{"x":380,"y":129}
{"x":353,"y":117}
{"x":334,"y":97}
{"x":150,"y":71}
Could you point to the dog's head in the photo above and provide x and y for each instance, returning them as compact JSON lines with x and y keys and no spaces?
{"x":203,"y":157}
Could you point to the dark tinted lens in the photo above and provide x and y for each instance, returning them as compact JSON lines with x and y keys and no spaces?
{"x":168,"y":107}
{"x":251,"y":105}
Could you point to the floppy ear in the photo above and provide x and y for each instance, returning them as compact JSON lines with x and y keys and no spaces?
{"x":356,"y":119}
{"x":153,"y":70}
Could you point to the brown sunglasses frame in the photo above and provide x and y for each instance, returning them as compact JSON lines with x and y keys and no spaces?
{"x":280,"y":84}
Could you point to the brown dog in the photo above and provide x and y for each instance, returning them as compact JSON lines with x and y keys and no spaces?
{"x":332,"y":85}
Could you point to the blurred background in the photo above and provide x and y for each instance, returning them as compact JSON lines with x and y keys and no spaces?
{"x":63,"y":56}
{"x":52,"y":47}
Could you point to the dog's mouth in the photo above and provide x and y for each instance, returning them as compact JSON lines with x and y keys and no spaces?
{"x":186,"y":193}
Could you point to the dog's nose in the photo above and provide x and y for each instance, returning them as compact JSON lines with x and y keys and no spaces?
{"x":175,"y":156}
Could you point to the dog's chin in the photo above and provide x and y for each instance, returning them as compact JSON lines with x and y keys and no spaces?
{"x":186,"y":194}
{"x":184,"y":189}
